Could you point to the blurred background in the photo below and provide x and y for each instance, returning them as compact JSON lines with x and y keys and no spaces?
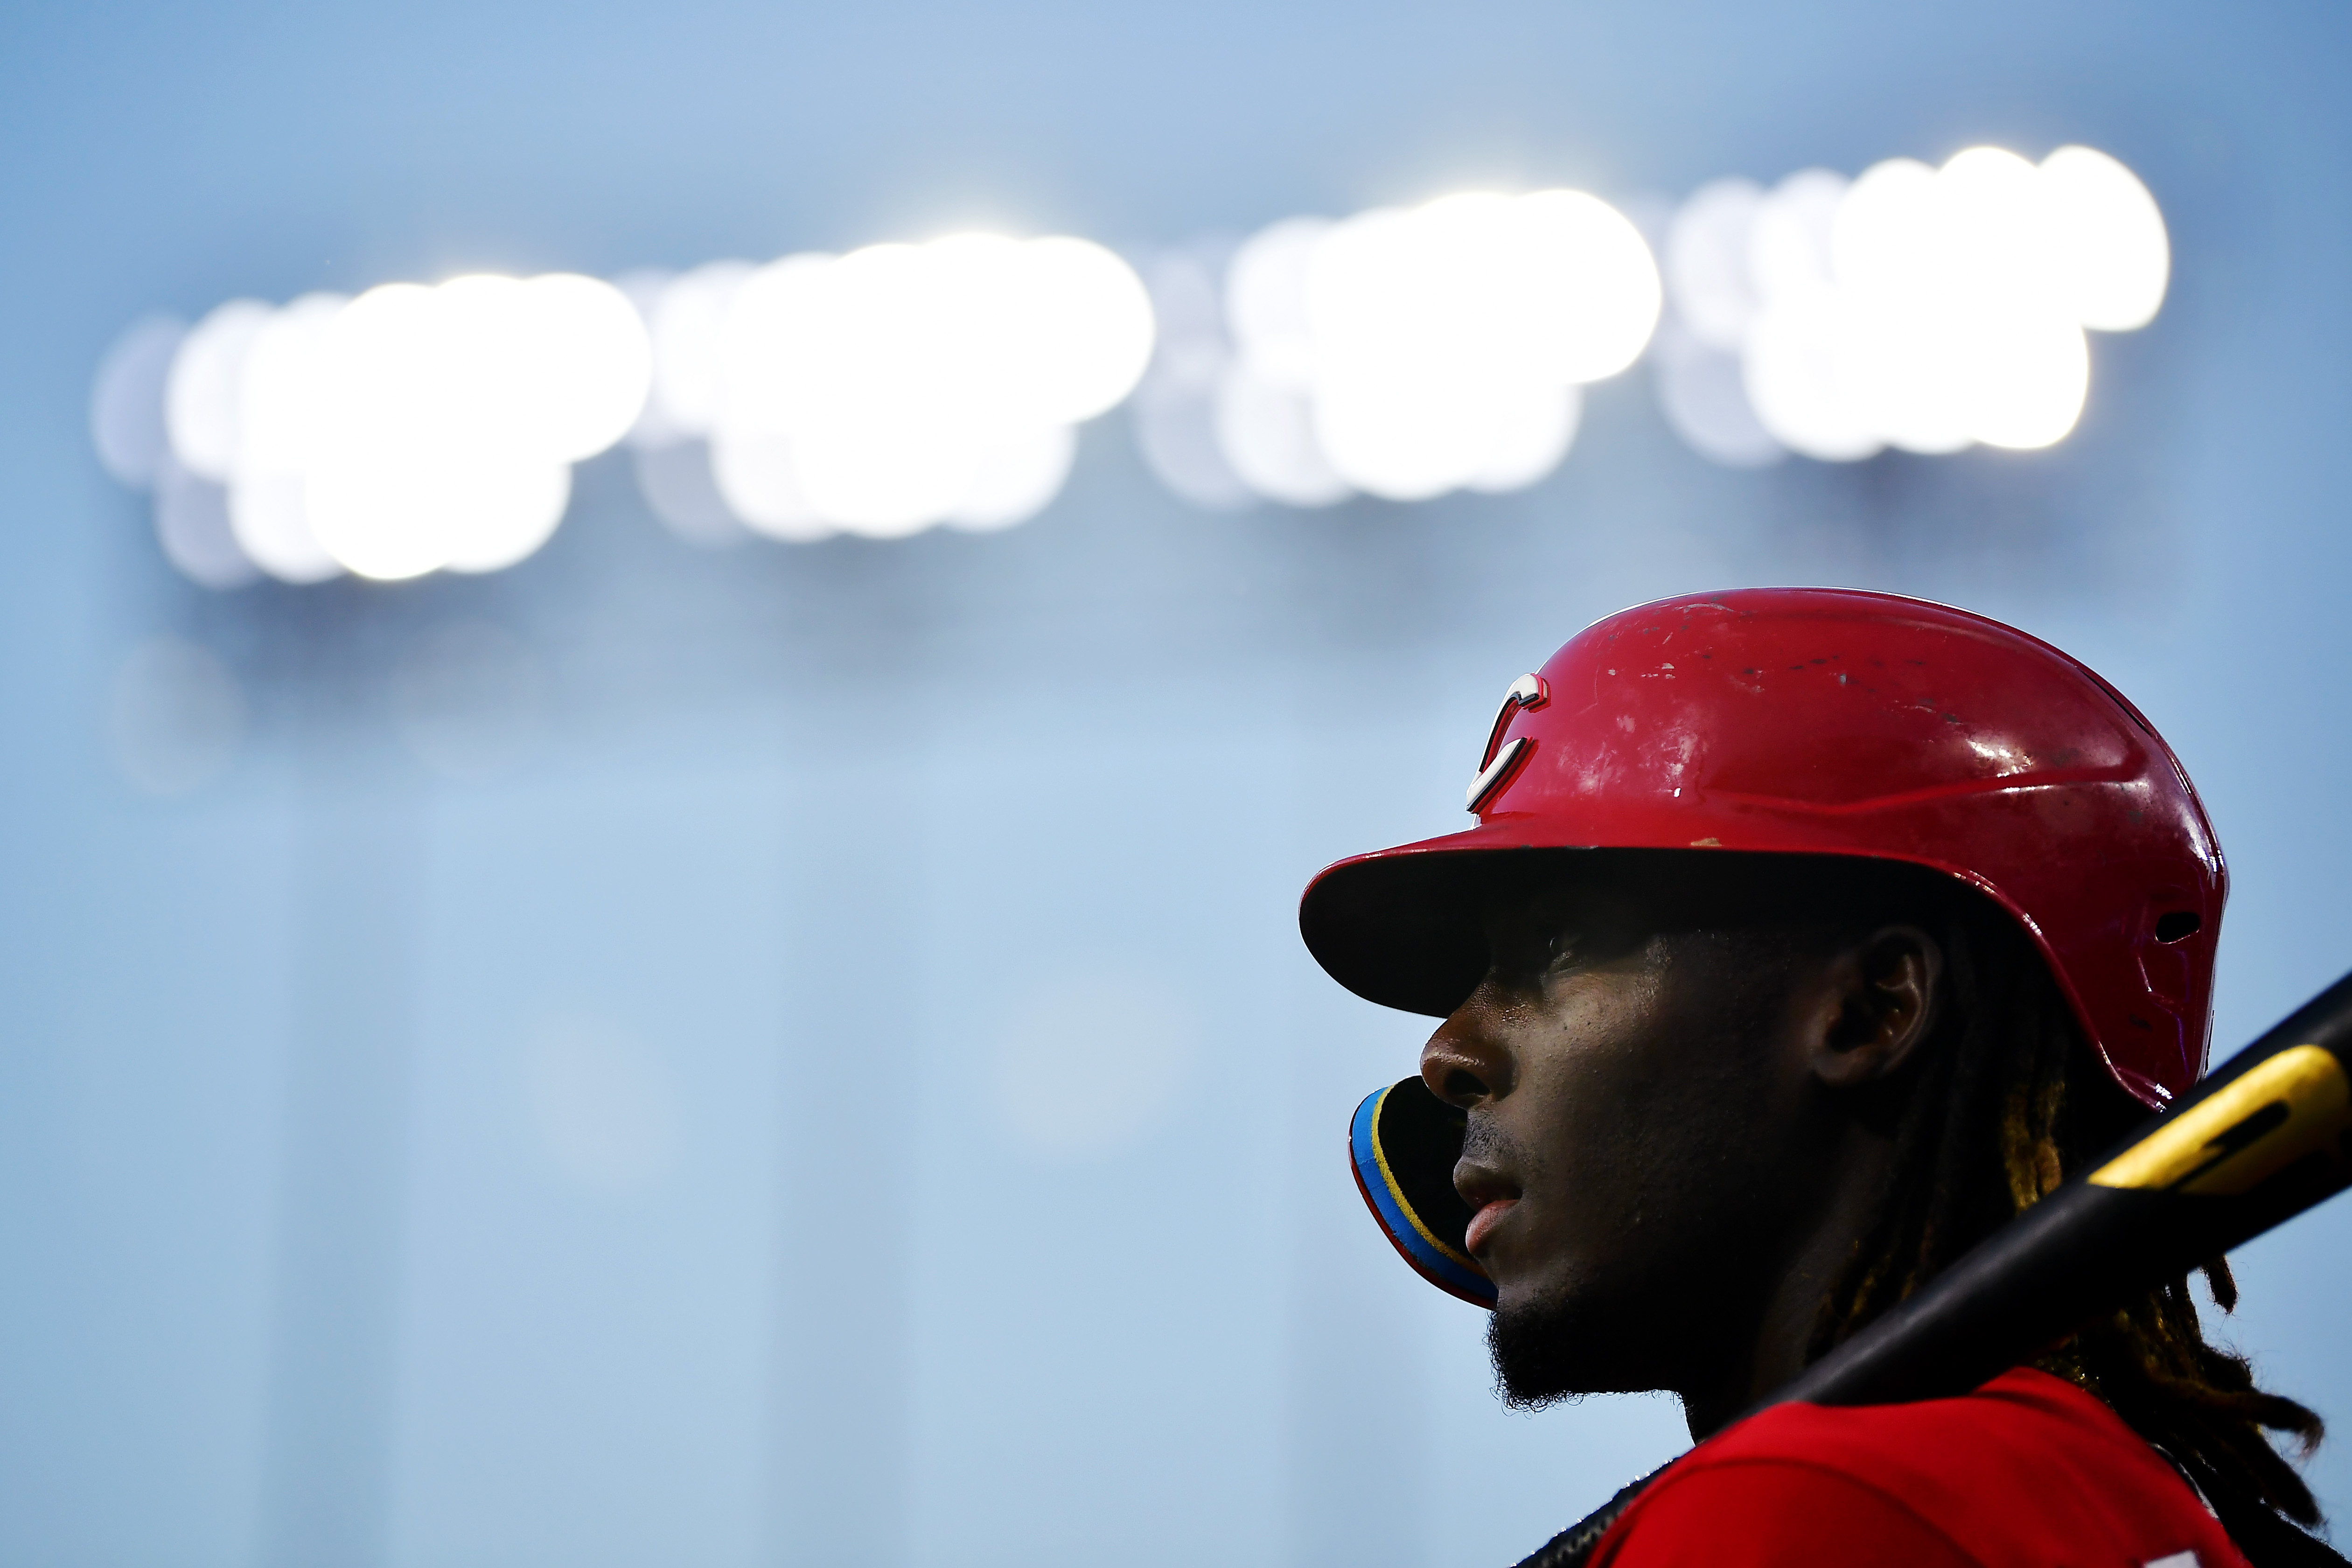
{"x":698,"y":1048}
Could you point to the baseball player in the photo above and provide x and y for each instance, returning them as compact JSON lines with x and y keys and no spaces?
{"x":1804,"y":939}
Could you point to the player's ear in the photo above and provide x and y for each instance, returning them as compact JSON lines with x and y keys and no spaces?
{"x":1879,"y":1006}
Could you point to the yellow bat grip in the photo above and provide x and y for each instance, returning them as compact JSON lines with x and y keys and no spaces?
{"x":2295,"y":1104}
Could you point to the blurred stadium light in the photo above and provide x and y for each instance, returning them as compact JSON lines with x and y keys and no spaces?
{"x":1398,"y":353}
{"x":1922,"y":308}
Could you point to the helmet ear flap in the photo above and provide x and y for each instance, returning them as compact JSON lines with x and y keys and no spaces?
{"x":1403,"y":1145}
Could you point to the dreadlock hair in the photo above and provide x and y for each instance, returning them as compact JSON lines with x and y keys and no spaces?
{"x":2007,"y":1100}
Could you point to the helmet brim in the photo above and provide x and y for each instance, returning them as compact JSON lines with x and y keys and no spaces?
{"x":1404,"y":927}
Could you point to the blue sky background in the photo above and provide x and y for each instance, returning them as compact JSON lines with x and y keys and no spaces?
{"x":643,"y":1146}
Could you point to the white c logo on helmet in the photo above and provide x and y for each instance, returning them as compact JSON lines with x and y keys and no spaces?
{"x":1526,"y":692}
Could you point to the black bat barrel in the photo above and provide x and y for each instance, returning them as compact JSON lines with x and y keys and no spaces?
{"x":2258,"y":1140}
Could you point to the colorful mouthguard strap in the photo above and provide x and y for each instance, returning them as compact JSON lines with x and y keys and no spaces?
{"x":1402,"y":1145}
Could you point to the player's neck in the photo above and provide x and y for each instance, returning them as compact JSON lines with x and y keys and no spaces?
{"x":1789,"y":1300}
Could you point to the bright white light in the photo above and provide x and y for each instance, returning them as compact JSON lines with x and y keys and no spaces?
{"x":1995,"y":218}
{"x":374,"y":494}
{"x":1798,"y":356}
{"x":506,"y":511}
{"x":1580,"y":279}
{"x":1884,"y":230}
{"x":417,"y":428}
{"x":886,"y":483}
{"x":1400,"y":352}
{"x":1404,"y":438}
{"x":1529,"y":439}
{"x":447,"y":417}
{"x":1555,"y":287}
{"x":200,"y":395}
{"x":1086,"y":329}
{"x":270,"y":514}
{"x":1265,"y":301}
{"x":1410,"y":353}
{"x":279,"y":437}
{"x":1900,"y":358}
{"x":876,"y":368}
{"x":2111,"y":258}
{"x":2025,"y":377}
{"x":553,"y":368}
{"x":1925,"y":309}
{"x":1017,"y":480}
{"x":1905,"y":300}
{"x":902,"y":386}
{"x":277,"y":408}
{"x":376,"y":381}
{"x":580,"y":369}
{"x":754,"y":472}
{"x":768,"y":315}
{"x":1408,"y":438}
{"x":1799,"y":369}
{"x":408,"y":514}
{"x":1788,"y":248}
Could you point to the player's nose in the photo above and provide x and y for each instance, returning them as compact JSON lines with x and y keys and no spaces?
{"x":1465,"y":1064}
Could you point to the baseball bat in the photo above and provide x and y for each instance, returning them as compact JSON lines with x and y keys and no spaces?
{"x":2262,"y":1138}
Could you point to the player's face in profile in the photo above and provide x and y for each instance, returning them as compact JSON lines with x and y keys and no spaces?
{"x":1633,"y":1084}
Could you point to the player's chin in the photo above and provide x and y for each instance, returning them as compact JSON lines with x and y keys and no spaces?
{"x":1548,"y":1346}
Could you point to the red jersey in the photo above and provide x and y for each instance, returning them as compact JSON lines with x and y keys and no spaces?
{"x":2029,"y":1471}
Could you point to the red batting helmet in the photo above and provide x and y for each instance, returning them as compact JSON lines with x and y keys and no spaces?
{"x":1829,"y":721}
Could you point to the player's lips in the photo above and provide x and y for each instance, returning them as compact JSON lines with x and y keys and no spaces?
{"x":1489,"y":1192}
{"x":1483,"y":1223}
